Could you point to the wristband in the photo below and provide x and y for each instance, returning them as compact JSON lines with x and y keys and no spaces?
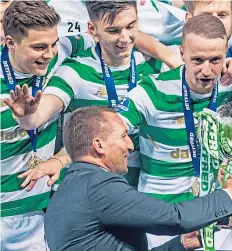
{"x":59,"y":161}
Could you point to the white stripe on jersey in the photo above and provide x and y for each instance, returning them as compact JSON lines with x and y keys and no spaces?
{"x":17,"y":163}
{"x":163,"y":152}
{"x":165,"y":186}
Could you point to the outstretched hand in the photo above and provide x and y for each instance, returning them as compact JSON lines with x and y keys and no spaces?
{"x":50,"y":167}
{"x":21,"y":102}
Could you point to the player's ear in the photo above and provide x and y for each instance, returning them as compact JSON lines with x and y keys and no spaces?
{"x":181,"y":52}
{"x":92,"y":29}
{"x":10,"y":42}
{"x":187,"y":16}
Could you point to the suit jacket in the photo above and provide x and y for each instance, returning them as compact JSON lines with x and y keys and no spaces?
{"x":98,"y":210}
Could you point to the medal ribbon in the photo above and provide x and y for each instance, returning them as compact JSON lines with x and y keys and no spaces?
{"x":11,"y":84}
{"x":109,"y":81}
{"x":189,"y":120}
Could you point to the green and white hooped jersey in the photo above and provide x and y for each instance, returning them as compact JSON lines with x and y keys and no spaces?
{"x":16,"y":147}
{"x":167,"y":19}
{"x":156,"y":107}
{"x":84,"y":74}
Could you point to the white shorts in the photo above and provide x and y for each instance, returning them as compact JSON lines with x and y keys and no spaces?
{"x":24,"y":232}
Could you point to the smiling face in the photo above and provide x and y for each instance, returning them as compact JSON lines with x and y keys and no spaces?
{"x":117,"y":39}
{"x":204,"y":60}
{"x":117,"y":146}
{"x":34,"y":52}
{"x":219,"y":9}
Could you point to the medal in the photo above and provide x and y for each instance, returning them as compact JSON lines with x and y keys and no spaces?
{"x":33,"y":162}
{"x":196,"y":188}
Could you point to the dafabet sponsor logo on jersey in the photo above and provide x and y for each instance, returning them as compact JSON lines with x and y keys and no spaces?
{"x":15,"y":134}
{"x":180,"y":154}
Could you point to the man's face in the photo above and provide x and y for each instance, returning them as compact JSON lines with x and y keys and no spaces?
{"x":220,"y":9}
{"x":117,"y":146}
{"x":117,"y":40}
{"x":34,"y":52}
{"x":204,"y":60}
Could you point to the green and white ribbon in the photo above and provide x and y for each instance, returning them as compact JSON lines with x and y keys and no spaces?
{"x":216,"y":146}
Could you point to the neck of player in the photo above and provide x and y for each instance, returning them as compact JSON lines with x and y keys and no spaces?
{"x":114,"y":61}
{"x":14,"y":64}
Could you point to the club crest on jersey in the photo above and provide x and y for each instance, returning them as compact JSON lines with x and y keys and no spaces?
{"x":101,"y":92}
{"x":123,"y":106}
{"x":2,"y":103}
{"x":180,"y":121}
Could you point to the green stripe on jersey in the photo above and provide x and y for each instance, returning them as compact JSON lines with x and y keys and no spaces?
{"x":7,"y":120}
{"x":171,"y":103}
{"x":62,"y":85}
{"x":174,"y":198}
{"x":165,"y":169}
{"x":30,"y":204}
{"x":166,"y":136}
{"x":77,"y":103}
{"x":78,"y":44}
{"x":62,"y":175}
{"x":13,"y":180}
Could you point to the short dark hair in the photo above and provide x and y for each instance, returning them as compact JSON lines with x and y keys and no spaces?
{"x":191,"y":4}
{"x":108,"y":10}
{"x":21,"y":16}
{"x":206,"y":26}
{"x":82,"y":127}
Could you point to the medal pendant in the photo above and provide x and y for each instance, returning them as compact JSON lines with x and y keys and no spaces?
{"x":196,"y":188}
{"x":33,"y":162}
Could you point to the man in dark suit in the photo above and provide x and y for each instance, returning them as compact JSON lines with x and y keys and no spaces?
{"x":95,"y":208}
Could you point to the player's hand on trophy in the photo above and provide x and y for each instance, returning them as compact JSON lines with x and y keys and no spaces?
{"x":225,"y":179}
{"x":21,"y":102}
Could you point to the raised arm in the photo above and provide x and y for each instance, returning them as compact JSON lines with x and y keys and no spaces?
{"x":31,"y":112}
{"x":117,"y":204}
{"x":152,"y":47}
